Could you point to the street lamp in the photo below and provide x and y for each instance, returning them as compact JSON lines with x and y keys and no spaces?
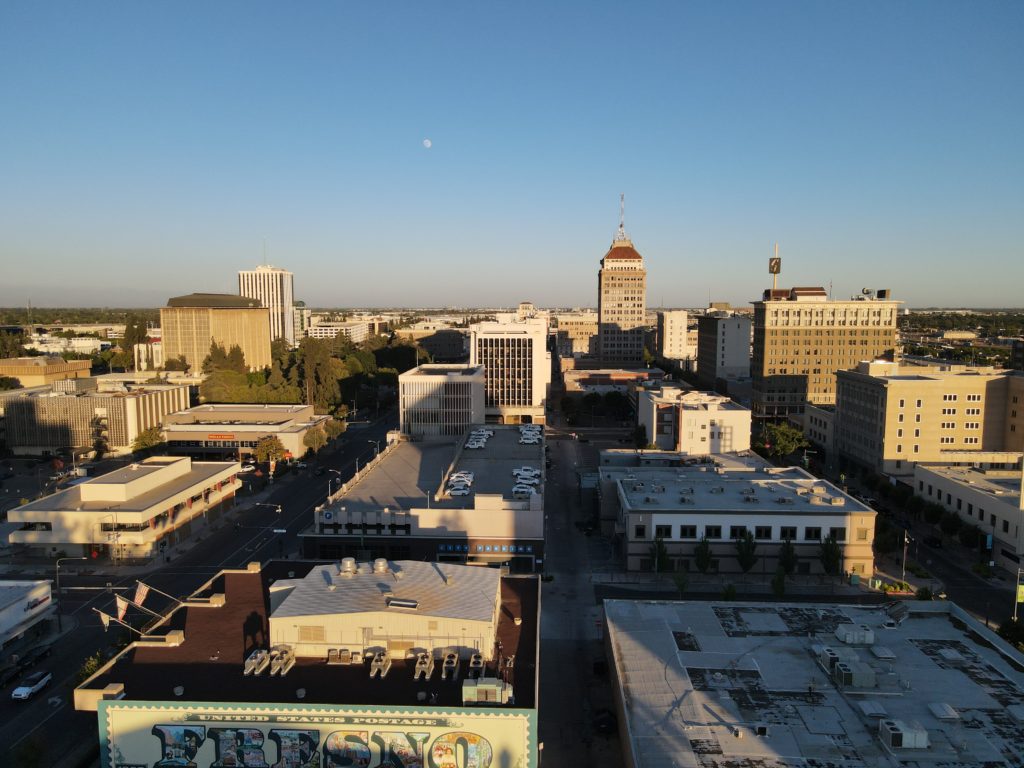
{"x":377,"y":444}
{"x":60,"y":560}
{"x":331,"y":480}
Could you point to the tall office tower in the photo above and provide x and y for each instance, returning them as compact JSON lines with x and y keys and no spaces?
{"x":621,"y":304}
{"x":518,"y":366}
{"x":191,"y":323}
{"x":274,"y":288}
{"x":802,"y":337}
{"x":672,"y":335}
{"x":723,"y":347}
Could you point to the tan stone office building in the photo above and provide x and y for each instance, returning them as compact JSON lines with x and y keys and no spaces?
{"x":621,"y":305}
{"x":191,"y":323}
{"x":233,"y":430}
{"x":890,"y":417}
{"x":43,"y":370}
{"x":575,"y":334}
{"x":802,"y":337}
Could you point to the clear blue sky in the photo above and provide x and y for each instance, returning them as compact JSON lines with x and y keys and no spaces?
{"x":147,"y":149}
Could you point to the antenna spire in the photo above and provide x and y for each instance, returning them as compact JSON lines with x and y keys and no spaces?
{"x":621,"y":234}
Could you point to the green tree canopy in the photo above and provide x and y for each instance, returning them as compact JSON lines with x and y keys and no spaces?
{"x":702,"y":555}
{"x":745,"y":552}
{"x":788,"y":557}
{"x":334,"y":428}
{"x":269,"y":448}
{"x":315,"y":439}
{"x":831,"y":555}
{"x":780,"y":439}
{"x":147,"y":439}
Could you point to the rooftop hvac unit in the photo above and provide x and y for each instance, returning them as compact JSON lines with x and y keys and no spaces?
{"x":348,"y":565}
{"x":837,"y":501}
{"x":853,"y":674}
{"x":380,"y":565}
{"x":819,"y":489}
{"x":896,"y":734}
{"x":828,"y":658}
{"x":855,"y":634}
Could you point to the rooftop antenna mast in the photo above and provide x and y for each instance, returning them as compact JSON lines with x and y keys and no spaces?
{"x":622,"y":218}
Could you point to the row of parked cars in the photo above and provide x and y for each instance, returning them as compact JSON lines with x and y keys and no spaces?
{"x":530,"y":434}
{"x":527,"y":478}
{"x":28,"y":685}
{"x":478,"y":438}
{"x":459,"y":483}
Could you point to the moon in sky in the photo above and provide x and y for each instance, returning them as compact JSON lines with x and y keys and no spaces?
{"x":427,"y":143}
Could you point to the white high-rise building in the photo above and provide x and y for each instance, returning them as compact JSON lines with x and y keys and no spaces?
{"x":274,"y":287}
{"x":518,"y":366}
{"x":673,"y":341}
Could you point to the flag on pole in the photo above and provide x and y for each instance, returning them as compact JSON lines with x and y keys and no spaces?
{"x":122,"y":606}
{"x":140,"y":593}
{"x":1020,"y":593}
{"x":105,"y":619}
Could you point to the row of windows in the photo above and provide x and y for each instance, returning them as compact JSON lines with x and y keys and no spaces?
{"x":760,"y":533}
{"x":512,"y":548}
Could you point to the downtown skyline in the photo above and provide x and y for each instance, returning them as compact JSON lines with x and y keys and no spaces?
{"x":152,"y":151}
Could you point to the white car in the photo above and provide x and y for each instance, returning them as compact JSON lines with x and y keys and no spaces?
{"x":523,"y":490}
{"x":463,"y":475}
{"x":474,"y":445}
{"x":246,"y":469}
{"x":527,"y":481}
{"x":525,"y":471}
{"x":529,"y":441}
{"x":526,"y":476}
{"x":31,"y":685}
{"x":459,"y":492}
{"x":488,"y":432}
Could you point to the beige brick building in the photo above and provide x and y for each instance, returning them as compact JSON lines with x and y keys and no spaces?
{"x":890,"y":417}
{"x":621,"y":305}
{"x":691,"y":422}
{"x":575,"y":334}
{"x":191,"y":323}
{"x":801,"y":338}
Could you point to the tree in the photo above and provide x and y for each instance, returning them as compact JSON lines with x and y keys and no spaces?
{"x":135,"y":333}
{"x":640,"y":436}
{"x":334,"y":428}
{"x":178,"y":363}
{"x":788,"y":557}
{"x":682,"y":581}
{"x":315,"y":439}
{"x":933,"y":513}
{"x":831,"y":555}
{"x":969,"y":536}
{"x":779,"y":583}
{"x":147,"y":439}
{"x":778,"y":440}
{"x":269,"y":448}
{"x":745,"y":549}
{"x":236,"y":360}
{"x":951,"y":523}
{"x":659,"y":555}
{"x":702,"y":555}
{"x":9,"y":382}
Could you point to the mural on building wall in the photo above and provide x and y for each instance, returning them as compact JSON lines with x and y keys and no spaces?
{"x":147,"y":735}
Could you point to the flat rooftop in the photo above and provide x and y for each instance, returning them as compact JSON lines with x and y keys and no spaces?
{"x":70,"y":499}
{"x":209,"y":663}
{"x":445,"y":370}
{"x":729,"y":484}
{"x":698,"y":679}
{"x":1004,"y":486}
{"x":411,"y":470}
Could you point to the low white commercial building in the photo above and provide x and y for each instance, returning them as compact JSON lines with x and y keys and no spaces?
{"x":990,"y":499}
{"x":686,"y":501}
{"x":691,"y":422}
{"x":234,"y":430}
{"x":133,"y":512}
{"x":355,"y":332}
{"x":441,"y":401}
{"x":23,"y":604}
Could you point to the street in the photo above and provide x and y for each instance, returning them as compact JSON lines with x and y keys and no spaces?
{"x":48,"y":725}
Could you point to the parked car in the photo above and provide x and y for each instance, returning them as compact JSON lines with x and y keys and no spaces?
{"x":301,"y":465}
{"x":459,"y":492}
{"x":34,"y":656}
{"x":246,"y":469}
{"x":31,"y":685}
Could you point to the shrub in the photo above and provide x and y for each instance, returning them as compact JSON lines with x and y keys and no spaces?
{"x":728,"y":592}
{"x":951,"y":523}
{"x":933,"y":513}
{"x":923,"y":593}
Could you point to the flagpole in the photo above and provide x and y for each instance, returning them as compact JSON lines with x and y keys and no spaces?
{"x":114,"y":618}
{"x":154,"y":589}
{"x":140,"y":607}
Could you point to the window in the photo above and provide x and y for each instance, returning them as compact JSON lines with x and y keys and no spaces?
{"x":1006,"y":526}
{"x":862,"y":534}
{"x":917,"y":433}
{"x":687,"y":531}
{"x":713,"y":531}
{"x":959,"y":504}
{"x":663,"y":531}
{"x":972,"y":425}
{"x":787,"y":532}
{"x":970,"y":509}
{"x":899,"y":418}
{"x":949,"y":411}
{"x":970,"y":441}
{"x":917,"y":418}
{"x":947,"y":440}
{"x":948,"y":425}
{"x":916,"y":448}
{"x":763,"y":532}
{"x":901,"y":402}
{"x":974,"y":398}
{"x":899,"y":448}
{"x":949,"y":398}
{"x":975,"y":411}
{"x":737,"y":531}
{"x":812,"y":534}
{"x":918,"y":403}
{"x":839,"y":534}
{"x":640,"y":532}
